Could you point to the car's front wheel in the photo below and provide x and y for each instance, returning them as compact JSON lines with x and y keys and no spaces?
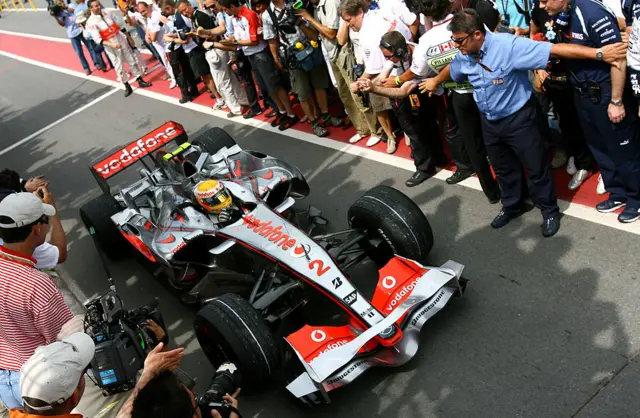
{"x":393,"y":223}
{"x":96,"y":216}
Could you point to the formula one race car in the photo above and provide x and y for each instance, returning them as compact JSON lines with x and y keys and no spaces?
{"x":208,"y":212}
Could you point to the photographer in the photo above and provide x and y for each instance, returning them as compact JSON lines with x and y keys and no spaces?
{"x":65,"y":17}
{"x":33,"y":309}
{"x":247,"y":34}
{"x":295,"y":49}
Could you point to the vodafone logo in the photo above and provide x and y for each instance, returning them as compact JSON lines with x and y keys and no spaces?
{"x":389,"y":282}
{"x":300,"y":250}
{"x":138,"y":149}
{"x":318,"y":335}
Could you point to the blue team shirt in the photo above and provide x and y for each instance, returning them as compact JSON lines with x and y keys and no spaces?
{"x":69,"y":21}
{"x":592,"y":24}
{"x":505,"y":89}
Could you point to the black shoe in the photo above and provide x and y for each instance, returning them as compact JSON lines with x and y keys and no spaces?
{"x":252,"y":113}
{"x":185,"y":99}
{"x":276,"y":121}
{"x":127,"y":90}
{"x":494,"y":199}
{"x":418,"y":177}
{"x":459,"y":176}
{"x":550,"y":226}
{"x":318,"y":129}
{"x":142,"y":83}
{"x":503,"y":219}
{"x":287,"y":122}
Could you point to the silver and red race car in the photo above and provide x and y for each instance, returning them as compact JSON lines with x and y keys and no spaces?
{"x":264,"y":263}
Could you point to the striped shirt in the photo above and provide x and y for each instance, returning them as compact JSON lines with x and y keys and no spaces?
{"x":32,"y":309}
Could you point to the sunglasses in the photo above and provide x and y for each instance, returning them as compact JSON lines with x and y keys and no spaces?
{"x":211,"y":7}
{"x":459,"y":41}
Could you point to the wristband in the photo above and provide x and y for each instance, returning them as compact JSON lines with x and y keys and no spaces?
{"x":398,"y":82}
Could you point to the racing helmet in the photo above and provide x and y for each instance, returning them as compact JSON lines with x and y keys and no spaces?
{"x":212,"y":195}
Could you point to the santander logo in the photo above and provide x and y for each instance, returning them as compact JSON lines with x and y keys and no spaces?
{"x":138,"y":149}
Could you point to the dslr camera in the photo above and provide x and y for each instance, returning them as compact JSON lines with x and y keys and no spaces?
{"x":227,"y":379}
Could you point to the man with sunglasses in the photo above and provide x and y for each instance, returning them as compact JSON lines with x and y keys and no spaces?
{"x":497,"y":67}
{"x":33,"y":309}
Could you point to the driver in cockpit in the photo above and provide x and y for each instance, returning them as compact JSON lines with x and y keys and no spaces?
{"x":214,"y":198}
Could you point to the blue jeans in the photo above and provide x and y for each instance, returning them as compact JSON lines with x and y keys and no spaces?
{"x":10,"y":389}
{"x":96,"y":54}
{"x":77,"y":46}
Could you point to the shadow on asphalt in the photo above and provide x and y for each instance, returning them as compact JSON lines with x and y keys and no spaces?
{"x":522,"y":341}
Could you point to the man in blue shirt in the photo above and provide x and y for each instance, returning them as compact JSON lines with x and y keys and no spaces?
{"x":66,"y":18}
{"x":609,"y":120}
{"x":497,"y":66}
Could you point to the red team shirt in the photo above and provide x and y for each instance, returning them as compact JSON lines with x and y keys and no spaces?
{"x":245,"y":28}
{"x":32,"y":309}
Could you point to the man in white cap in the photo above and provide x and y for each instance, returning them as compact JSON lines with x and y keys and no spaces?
{"x":33,"y":309}
{"x":52,"y":380}
{"x":104,"y":30}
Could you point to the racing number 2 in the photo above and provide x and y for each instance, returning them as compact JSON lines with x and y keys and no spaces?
{"x":318,"y":265}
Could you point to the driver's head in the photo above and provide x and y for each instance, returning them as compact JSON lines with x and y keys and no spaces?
{"x":52,"y":380}
{"x":212,"y":196}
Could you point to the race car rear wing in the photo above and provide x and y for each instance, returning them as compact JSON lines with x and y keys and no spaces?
{"x":109,"y":165}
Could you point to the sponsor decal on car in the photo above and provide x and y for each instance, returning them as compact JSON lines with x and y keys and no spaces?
{"x":273,"y":234}
{"x":402,"y":294}
{"x":428,"y":307}
{"x":128,"y":155}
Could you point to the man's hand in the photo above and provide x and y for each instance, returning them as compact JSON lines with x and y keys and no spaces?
{"x":207,"y":44}
{"x":365,"y":85}
{"x":518,"y":31}
{"x":260,"y":31}
{"x":613,"y":53}
{"x":428,"y":85}
{"x":114,"y":44}
{"x":43,"y":194}
{"x":34,"y":183}
{"x":158,"y":361}
{"x":389,"y":82}
{"x":616,"y":113}
{"x":229,"y":400}
{"x":303,"y":13}
{"x":280,"y":66}
{"x":156,"y":330}
{"x":202,"y":32}
{"x":625,"y":37}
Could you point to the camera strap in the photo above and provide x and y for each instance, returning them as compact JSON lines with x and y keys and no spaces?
{"x":276,"y":23}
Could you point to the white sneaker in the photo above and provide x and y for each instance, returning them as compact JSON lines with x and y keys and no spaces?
{"x":355,"y":138}
{"x":219,"y":104}
{"x":600,"y":188}
{"x":407,"y":141}
{"x":391,"y":146}
{"x":571,"y":166}
{"x":172,"y":84}
{"x":373,"y":140}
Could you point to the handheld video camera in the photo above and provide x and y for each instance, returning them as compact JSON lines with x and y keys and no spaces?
{"x":122,"y":340}
{"x":227,"y":379}
{"x":54,"y":8}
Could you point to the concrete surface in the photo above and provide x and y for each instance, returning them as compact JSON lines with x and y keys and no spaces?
{"x":548,"y":327}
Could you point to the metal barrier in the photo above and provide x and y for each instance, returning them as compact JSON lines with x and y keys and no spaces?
{"x":20,"y":6}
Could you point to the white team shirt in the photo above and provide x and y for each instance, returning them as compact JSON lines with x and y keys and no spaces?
{"x":434,"y":51}
{"x":375,"y":24}
{"x":398,"y":9}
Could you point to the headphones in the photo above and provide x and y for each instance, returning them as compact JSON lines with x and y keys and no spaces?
{"x":400,"y":53}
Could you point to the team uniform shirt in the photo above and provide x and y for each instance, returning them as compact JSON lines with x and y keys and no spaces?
{"x":245,"y":28}
{"x":326,"y":12}
{"x":33,"y":309}
{"x":501,"y":85}
{"x":269,"y":30}
{"x":435,"y":51}
{"x":375,"y":24}
{"x":398,"y":9}
{"x":593,"y":25}
{"x":632,"y":18}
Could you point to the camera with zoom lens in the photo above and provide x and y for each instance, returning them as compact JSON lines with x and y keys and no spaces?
{"x":122,"y":340}
{"x":226,"y":380}
{"x":358,"y":71}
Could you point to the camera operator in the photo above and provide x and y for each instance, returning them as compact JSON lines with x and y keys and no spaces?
{"x":33,"y":309}
{"x":106,"y":32}
{"x":247,"y":34}
{"x":187,"y":21}
{"x":218,"y":59}
{"x":49,"y":254}
{"x":283,"y":29}
{"x":65,"y":17}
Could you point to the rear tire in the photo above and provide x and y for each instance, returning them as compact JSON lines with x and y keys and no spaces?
{"x":388,"y":214}
{"x":228,"y":328}
{"x":97,"y":214}
{"x":214,"y":140}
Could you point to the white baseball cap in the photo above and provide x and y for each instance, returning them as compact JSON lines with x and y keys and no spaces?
{"x":23,"y":209}
{"x":53,"y":372}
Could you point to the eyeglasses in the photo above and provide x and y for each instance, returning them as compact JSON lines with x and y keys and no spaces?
{"x":459,"y":41}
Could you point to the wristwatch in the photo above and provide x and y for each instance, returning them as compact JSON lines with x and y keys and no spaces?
{"x":599,"y":55}
{"x":616,"y":102}
{"x":235,"y":42}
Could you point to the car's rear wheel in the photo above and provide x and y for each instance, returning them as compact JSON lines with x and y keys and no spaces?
{"x":228,"y":328}
{"x":214,"y":140}
{"x":393,"y":223}
{"x":96,"y":214}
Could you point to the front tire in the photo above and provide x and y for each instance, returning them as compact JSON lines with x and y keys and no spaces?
{"x":228,"y":328}
{"x":387,"y":214}
{"x":214,"y":140}
{"x":97,"y":214}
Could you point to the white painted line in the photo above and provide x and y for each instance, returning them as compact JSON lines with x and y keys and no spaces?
{"x":59,"y":121}
{"x":52,"y":38}
{"x":567,"y":208}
